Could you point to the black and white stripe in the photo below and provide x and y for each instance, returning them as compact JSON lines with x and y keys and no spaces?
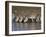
{"x":27,"y":19}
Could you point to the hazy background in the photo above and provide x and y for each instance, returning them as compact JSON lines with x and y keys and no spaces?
{"x":26,"y":11}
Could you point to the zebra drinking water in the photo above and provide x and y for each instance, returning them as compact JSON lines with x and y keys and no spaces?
{"x":28,"y":19}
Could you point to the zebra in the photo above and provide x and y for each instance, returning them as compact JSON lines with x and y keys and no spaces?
{"x":22,"y":19}
{"x":33,"y":19}
{"x":38,"y":19}
{"x":27,"y":19}
{"x":17,"y":19}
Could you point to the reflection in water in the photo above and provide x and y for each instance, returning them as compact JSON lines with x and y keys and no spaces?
{"x":25,"y":26}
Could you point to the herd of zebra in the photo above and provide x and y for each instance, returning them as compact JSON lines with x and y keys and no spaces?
{"x":27,"y":19}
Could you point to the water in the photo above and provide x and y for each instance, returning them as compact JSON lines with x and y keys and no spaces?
{"x":25,"y":26}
